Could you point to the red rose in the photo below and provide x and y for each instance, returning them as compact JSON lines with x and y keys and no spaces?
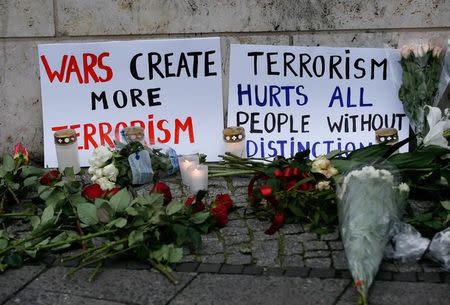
{"x":196,"y":207}
{"x":49,"y":177}
{"x":295,"y":171}
{"x":92,"y":191}
{"x":108,"y":194}
{"x":266,"y":190}
{"x":291,"y":184}
{"x":164,"y":189}
{"x":224,"y":199}
{"x":307,"y":186}
{"x":287,"y":172}
{"x":277,"y":222}
{"x":220,"y":214}
{"x":278,"y":173}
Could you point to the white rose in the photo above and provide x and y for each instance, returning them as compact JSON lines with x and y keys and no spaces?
{"x":406,"y":51}
{"x":111,"y":172}
{"x":437,"y":51}
{"x":321,"y":163}
{"x":105,"y":184}
{"x":333,"y":171}
{"x":425,"y":48}
{"x":98,"y":172}
{"x":102,"y":154}
{"x":91,"y":170}
{"x":323,"y":185}
{"x":95,"y":162}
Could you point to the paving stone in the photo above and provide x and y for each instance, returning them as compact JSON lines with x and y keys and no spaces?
{"x":319,"y":253}
{"x":431,"y":267}
{"x":384,"y":276}
{"x":292,"y":245}
{"x":213,"y":259}
{"x":405,"y":277}
{"x":294,"y":261}
{"x":252,"y":270}
{"x":344,"y":274}
{"x":251,"y":290}
{"x":315,"y":245}
{"x":188,"y":258}
{"x":187,"y":267}
{"x":211,"y":245}
{"x":409,"y":268}
{"x":257,"y":225}
{"x":118,"y":285}
{"x":330,"y":236}
{"x":238,"y":223}
{"x":335,"y":245}
{"x":42,"y":297}
{"x":261,"y":236}
{"x":306,"y":237}
{"x":266,"y":253}
{"x":292,"y":228}
{"x":230,"y":231}
{"x":14,"y":279}
{"x":273,"y":271}
{"x":322,"y":273}
{"x":430,"y":277}
{"x":209,"y":268}
{"x":318,"y":262}
{"x":447,"y":278}
{"x":297,"y":271}
{"x":401,"y":293}
{"x":387,"y":266}
{"x":236,"y":239}
{"x":231,"y":269}
{"x":339,"y":260}
{"x":238,"y":259}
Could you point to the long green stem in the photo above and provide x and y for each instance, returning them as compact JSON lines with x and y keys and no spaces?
{"x":15,"y":215}
{"x":163,"y":269}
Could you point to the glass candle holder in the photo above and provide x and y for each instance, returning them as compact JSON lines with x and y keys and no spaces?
{"x":234,"y":140}
{"x":186,"y":161}
{"x":198,"y":178}
{"x":388,"y":135}
{"x":67,"y":150}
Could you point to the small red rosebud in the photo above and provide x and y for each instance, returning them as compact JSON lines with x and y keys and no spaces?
{"x":224,"y":199}
{"x":92,"y":191}
{"x":164,"y":189}
{"x":199,"y":207}
{"x":304,"y":175}
{"x":291,"y":184}
{"x":295,"y":172}
{"x":279,"y":218}
{"x":278,"y":172}
{"x":220,"y":214}
{"x":287,"y":172}
{"x":108,"y":194}
{"x":307,"y":186}
{"x":189,"y":201}
{"x":266,"y":190}
{"x":49,"y":177}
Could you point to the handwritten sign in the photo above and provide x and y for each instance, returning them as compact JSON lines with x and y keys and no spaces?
{"x":164,"y":86}
{"x":290,"y":98}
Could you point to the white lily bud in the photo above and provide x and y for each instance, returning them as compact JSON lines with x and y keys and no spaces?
{"x":406,"y":51}
{"x":437,"y":51}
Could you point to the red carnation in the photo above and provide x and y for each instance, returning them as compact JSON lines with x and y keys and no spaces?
{"x":220,"y":214}
{"x":224,"y":199}
{"x":49,"y":177}
{"x":164,"y":189}
{"x":266,"y":190}
{"x":278,"y":172}
{"x":277,"y":222}
{"x":92,"y":191}
{"x":108,"y":194}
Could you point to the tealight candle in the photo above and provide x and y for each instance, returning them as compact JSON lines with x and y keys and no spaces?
{"x":198,"y":178}
{"x":67,"y":150}
{"x":185,"y":162}
{"x":234,"y":140}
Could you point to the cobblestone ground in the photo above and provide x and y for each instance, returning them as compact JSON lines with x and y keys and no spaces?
{"x":237,"y":264}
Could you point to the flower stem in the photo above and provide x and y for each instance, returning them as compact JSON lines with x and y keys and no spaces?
{"x":164,"y":270}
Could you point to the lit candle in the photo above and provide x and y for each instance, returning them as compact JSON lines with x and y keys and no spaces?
{"x":67,"y":150}
{"x":234,"y":140}
{"x":185,"y":162}
{"x":198,"y":178}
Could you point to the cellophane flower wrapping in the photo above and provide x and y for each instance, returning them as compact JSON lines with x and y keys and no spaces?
{"x":370,"y":202}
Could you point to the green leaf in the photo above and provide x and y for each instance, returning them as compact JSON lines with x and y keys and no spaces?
{"x":175,"y":254}
{"x":135,"y":237}
{"x":35,"y":221}
{"x":13,"y":260}
{"x":121,"y":200}
{"x":8,"y":163}
{"x":446,"y":204}
{"x":47,"y":214}
{"x":200,"y":217}
{"x":131,"y":211}
{"x":103,"y":215}
{"x":120,"y":222}
{"x":3,"y":243}
{"x":31,"y":171}
{"x":174,"y":207}
{"x":87,"y":212}
{"x":69,"y":173}
{"x":30,"y":181}
{"x":99,"y":202}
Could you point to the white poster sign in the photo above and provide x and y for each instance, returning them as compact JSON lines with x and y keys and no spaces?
{"x":171,"y":88}
{"x":291,"y":98}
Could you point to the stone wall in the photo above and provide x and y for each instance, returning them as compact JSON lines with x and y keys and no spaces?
{"x":26,"y":23}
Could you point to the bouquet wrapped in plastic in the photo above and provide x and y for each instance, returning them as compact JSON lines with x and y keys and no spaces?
{"x":370,"y":202}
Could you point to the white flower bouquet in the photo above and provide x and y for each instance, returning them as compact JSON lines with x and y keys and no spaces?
{"x":370,"y":202}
